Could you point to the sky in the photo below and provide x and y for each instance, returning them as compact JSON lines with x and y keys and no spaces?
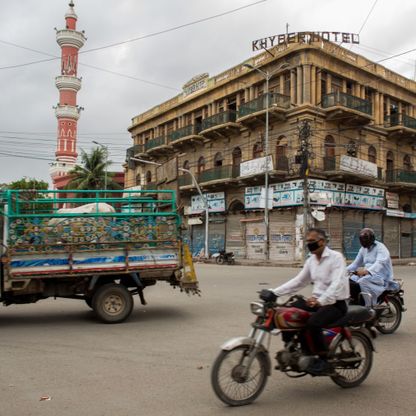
{"x":154,"y":68}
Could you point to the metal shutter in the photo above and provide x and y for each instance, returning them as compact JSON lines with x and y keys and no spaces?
{"x":353,"y":223}
{"x":333,"y":227}
{"x":391,"y":235}
{"x":255,"y":234}
{"x":198,"y":239}
{"x":374,"y":220}
{"x":282,"y":235}
{"x":405,"y":238}
{"x":216,"y":235}
{"x":235,"y":235}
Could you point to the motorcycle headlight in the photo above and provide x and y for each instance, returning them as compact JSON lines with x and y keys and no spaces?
{"x":257,"y":308}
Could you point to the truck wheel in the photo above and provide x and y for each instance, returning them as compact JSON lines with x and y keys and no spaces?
{"x":112,"y":303}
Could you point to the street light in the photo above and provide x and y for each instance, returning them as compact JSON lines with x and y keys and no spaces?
{"x":204,"y":199}
{"x":106,"y":161}
{"x":267,"y":75}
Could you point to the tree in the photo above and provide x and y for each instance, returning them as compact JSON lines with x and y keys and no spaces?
{"x":92,"y":172}
{"x":27,"y":184}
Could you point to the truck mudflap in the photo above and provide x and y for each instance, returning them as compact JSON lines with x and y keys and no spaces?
{"x":188,"y":282}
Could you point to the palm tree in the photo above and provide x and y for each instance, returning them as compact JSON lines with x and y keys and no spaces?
{"x":92,"y":172}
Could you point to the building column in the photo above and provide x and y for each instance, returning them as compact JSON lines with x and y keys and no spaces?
{"x":376,"y":107}
{"x":292,"y":87}
{"x":246,"y":94}
{"x":251,"y":93}
{"x":225,"y":104}
{"x":344,"y":86}
{"x":313,"y":85}
{"x":387,"y":106}
{"x":307,"y":86}
{"x":318,"y":85}
{"x":381,"y":111}
{"x":400,"y":107}
{"x":238,"y":100}
{"x":299,"y":85}
{"x":328,"y":84}
{"x":282,"y":84}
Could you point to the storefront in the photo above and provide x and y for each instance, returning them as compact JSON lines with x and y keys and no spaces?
{"x":282,"y":234}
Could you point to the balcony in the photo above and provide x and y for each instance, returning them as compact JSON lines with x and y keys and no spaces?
{"x":400,"y":126}
{"x":68,"y":37}
{"x":401,"y":179}
{"x":157,"y":145}
{"x":185,"y":134}
{"x":65,"y":82}
{"x":219,"y":174}
{"x":185,"y":180}
{"x":149,"y":186}
{"x":220,"y":123}
{"x":254,"y":111}
{"x":132,"y":152}
{"x":347,"y":108}
{"x":67,"y":111}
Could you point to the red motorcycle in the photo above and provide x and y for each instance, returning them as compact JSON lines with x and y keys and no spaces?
{"x":240,"y":372}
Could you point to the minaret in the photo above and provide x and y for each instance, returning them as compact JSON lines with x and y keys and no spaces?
{"x":67,"y":111}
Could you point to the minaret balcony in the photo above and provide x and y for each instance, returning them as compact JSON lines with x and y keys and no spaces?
{"x":65,"y":82}
{"x":67,"y":111}
{"x":68,"y":37}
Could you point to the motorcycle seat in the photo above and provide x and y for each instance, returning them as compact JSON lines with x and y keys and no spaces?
{"x":356,"y":314}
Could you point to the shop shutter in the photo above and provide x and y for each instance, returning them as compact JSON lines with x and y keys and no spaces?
{"x":235,"y":241}
{"x":391,"y":235}
{"x":333,"y":227}
{"x":282,"y":235}
{"x":216,"y":235}
{"x":255,"y":234}
{"x":352,"y":224}
{"x":405,"y":238}
{"x":414,"y":239}
{"x":374,"y":220}
{"x":198,"y":239}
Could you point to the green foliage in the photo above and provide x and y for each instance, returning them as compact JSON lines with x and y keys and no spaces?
{"x":92,"y":172}
{"x":27,"y":183}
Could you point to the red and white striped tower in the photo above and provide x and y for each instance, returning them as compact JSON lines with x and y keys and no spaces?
{"x":67,"y":111}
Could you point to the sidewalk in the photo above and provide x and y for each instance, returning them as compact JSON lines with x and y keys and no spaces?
{"x":244,"y":262}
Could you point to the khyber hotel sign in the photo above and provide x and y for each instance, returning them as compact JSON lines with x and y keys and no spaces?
{"x":304,"y":37}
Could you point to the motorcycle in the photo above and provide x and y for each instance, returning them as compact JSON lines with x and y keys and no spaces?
{"x":389,"y":309}
{"x":241,"y":370}
{"x":224,"y":257}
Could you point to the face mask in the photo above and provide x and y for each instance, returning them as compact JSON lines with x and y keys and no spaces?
{"x":313,"y":246}
{"x":365,"y":241}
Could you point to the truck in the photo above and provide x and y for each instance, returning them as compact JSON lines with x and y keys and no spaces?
{"x":101,"y":247}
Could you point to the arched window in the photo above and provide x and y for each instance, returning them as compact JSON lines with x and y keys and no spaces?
{"x":282,"y":161}
{"x":237,"y":156}
{"x":236,"y":205}
{"x":218,"y":159}
{"x":389,"y":166}
{"x":257,"y":150}
{"x":407,"y":163}
{"x":148,"y":176}
{"x":329,"y":158}
{"x":372,"y":154}
{"x":185,"y":166}
{"x":138,"y":179}
{"x":201,"y":164}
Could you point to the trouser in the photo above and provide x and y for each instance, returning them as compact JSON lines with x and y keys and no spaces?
{"x":355,"y":290}
{"x":321,"y":317}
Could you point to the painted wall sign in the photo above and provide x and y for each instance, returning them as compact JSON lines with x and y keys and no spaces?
{"x":355,"y":165}
{"x":357,"y":196}
{"x":216,"y":203}
{"x":304,"y":37}
{"x":392,"y":200}
{"x":256,"y":166}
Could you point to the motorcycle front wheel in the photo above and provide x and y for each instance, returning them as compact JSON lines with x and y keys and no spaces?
{"x":390,"y":318}
{"x":220,"y":260}
{"x":352,"y":361}
{"x":232,"y":382}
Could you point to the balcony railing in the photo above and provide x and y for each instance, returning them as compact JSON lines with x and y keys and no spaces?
{"x":149,"y":186}
{"x":156,"y":142}
{"x":347,"y":100}
{"x":131,"y":151}
{"x":191,"y":130}
{"x":404,"y":120}
{"x":259,"y":104}
{"x":224,"y":117}
{"x":185,"y":180}
{"x":217,"y":173}
{"x":400,"y":175}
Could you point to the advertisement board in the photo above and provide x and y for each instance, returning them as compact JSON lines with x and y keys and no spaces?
{"x":216,"y":203}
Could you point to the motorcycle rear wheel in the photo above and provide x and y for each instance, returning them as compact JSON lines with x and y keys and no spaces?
{"x":390,"y":319}
{"x":352,"y":377}
{"x":220,"y":260}
{"x":228,"y":382}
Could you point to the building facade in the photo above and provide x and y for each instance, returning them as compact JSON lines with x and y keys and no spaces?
{"x":360,"y":152}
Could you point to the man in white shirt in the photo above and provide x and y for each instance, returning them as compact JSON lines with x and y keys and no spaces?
{"x":326,"y":269}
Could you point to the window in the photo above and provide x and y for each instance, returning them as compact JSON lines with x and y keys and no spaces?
{"x":372,"y":154}
{"x":257,"y":150}
{"x":329,"y":146}
{"x":407,"y":163}
{"x":148,"y":176}
{"x":281,"y":154}
{"x":236,"y":156}
{"x":185,"y":166}
{"x":218,"y":159}
{"x":138,"y":179}
{"x":201,"y":164}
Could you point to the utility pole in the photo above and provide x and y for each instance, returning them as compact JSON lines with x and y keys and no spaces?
{"x":305,"y":153}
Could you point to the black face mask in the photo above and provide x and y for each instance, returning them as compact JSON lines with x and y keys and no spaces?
{"x":366,"y":241}
{"x":313,"y":246}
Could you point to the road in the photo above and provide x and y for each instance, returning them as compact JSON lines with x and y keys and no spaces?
{"x":158,"y":363}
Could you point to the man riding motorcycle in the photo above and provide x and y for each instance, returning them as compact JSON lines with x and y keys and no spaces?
{"x":372,"y":270}
{"x":326,"y":269}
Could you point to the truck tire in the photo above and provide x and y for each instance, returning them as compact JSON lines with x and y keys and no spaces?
{"x":112,"y":303}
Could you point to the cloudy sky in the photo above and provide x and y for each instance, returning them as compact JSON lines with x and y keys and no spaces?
{"x":154,"y":68}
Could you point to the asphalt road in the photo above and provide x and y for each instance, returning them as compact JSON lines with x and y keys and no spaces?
{"x":159,"y":362}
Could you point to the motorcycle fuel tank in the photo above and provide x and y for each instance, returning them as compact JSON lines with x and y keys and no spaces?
{"x":290,"y":318}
